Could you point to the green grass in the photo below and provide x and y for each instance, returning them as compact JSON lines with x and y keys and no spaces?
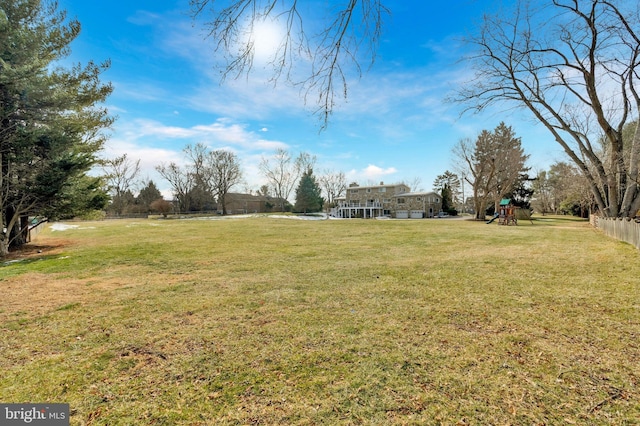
{"x":276,"y":321}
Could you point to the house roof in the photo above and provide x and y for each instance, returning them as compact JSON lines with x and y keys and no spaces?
{"x":415,"y":194}
{"x":250,"y":197}
{"x":384,"y":185}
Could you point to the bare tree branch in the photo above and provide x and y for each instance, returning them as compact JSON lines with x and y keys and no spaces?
{"x":338,"y":48}
{"x":569,"y":64}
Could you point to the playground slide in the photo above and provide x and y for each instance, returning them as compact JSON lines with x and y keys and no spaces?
{"x":495,"y":216}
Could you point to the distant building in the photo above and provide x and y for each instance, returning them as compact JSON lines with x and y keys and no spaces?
{"x":386,"y":200}
{"x":238,"y":203}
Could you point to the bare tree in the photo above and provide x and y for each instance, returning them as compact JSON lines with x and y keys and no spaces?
{"x":121,"y":174}
{"x":478,"y":173}
{"x":201,"y":195}
{"x":282,"y":171}
{"x":543,"y":193}
{"x":181,"y":181}
{"x":568,"y":189}
{"x":198,"y":156}
{"x":574,"y":65}
{"x":416,"y":184}
{"x":304,"y":162}
{"x":264,"y":191}
{"x":225,"y":172}
{"x":348,"y":38}
{"x":334,"y":185}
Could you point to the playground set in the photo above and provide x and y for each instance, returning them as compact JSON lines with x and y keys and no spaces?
{"x":506,"y":214}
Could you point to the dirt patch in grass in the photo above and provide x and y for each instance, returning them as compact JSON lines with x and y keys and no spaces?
{"x":35,"y":294}
{"x":39,"y":249}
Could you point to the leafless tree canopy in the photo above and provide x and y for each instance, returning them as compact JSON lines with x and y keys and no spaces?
{"x":333,"y":184}
{"x":225,"y":174}
{"x":561,"y":189}
{"x":282,"y":171}
{"x":181,"y":182}
{"x":347,"y":37}
{"x":121,"y":174}
{"x":208,"y":175}
{"x":574,"y":65}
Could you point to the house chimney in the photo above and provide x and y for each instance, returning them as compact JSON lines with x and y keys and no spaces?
{"x":381,"y":183}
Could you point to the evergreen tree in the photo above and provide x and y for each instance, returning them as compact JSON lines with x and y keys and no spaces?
{"x":148,"y":195}
{"x":308,"y":194}
{"x":494,"y":165}
{"x":50,"y":124}
{"x":452,"y":181}
{"x":447,"y":202}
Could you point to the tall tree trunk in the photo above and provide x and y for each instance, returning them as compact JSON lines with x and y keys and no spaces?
{"x":631,"y":198}
{"x":4,"y":237}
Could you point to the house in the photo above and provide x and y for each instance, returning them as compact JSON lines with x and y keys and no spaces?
{"x":238,"y":203}
{"x":394,"y":200}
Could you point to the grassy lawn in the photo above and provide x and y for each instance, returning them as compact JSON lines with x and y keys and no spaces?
{"x":275,"y":321}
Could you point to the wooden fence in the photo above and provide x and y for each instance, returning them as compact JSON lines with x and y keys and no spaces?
{"x":35,"y":230}
{"x":621,"y":229}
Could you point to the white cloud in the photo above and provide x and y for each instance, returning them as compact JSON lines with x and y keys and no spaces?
{"x":370,"y":173}
{"x":155,"y":143}
{"x":149,"y":156}
{"x":220,"y":133}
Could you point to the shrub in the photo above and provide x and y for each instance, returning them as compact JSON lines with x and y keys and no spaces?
{"x":161,"y":206}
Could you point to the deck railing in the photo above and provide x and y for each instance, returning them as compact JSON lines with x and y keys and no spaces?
{"x":357,"y":204}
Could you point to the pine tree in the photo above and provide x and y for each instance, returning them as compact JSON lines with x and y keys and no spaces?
{"x":148,"y":195}
{"x":50,"y":124}
{"x":447,"y":202}
{"x":308,"y":194}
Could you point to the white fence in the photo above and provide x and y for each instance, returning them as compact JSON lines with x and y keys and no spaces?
{"x":621,"y":229}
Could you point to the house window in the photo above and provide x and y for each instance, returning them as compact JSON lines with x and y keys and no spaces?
{"x":400,"y":200}
{"x":386,"y":200}
{"x":354,"y":191}
{"x":383,"y":189}
{"x":368,"y":189}
{"x":419,"y":199}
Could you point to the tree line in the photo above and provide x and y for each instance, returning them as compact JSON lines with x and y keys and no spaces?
{"x":208,"y":176}
{"x":572,"y":66}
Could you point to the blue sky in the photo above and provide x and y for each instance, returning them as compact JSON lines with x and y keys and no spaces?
{"x":395,"y":125}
